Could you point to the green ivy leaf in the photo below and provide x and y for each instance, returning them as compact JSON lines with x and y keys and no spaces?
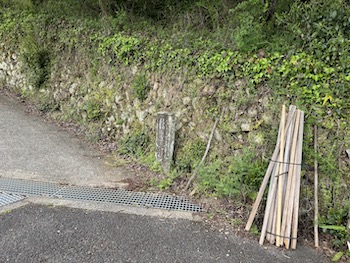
{"x":333,"y":14}
{"x":337,"y":256}
{"x":337,"y":228}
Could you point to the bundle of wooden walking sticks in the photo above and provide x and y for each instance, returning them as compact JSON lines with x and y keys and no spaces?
{"x":280,"y":225}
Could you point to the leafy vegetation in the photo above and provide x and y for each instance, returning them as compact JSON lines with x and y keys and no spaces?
{"x":189,"y":156}
{"x":140,"y":87}
{"x":135,"y":144}
{"x":336,"y":224}
{"x":297,"y":50}
{"x":241,"y":180}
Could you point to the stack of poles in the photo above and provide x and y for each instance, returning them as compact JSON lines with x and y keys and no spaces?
{"x":280,"y":225}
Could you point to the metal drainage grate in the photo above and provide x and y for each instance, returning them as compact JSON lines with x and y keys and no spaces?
{"x":126,"y":198}
{"x":6,"y":198}
{"x":84,"y":193}
{"x":27,"y":187}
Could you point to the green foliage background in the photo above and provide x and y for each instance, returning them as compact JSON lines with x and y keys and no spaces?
{"x":301,"y":54}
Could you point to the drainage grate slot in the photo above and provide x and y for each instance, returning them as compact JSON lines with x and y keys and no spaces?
{"x":6,"y":198}
{"x":84,"y":193}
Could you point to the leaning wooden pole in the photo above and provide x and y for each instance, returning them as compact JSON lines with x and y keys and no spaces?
{"x":272,"y":191}
{"x":280,"y":180}
{"x":297,"y":192}
{"x":315,"y":190}
{"x":271,"y":226}
{"x":273,"y":223}
{"x":292,"y":178}
{"x":261,"y":191}
{"x":286,"y":171}
{"x":272,"y":216}
{"x":269,"y":203}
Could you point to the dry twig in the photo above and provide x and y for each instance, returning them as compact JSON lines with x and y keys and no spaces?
{"x":204,"y":156}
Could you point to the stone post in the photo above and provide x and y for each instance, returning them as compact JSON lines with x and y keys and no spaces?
{"x":165,"y":140}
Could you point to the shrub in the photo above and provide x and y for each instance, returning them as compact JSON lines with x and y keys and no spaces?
{"x":135,"y":144}
{"x":140,"y":87}
{"x":239,"y":176}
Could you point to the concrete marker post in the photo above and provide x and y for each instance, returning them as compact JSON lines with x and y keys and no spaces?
{"x":165,"y":139}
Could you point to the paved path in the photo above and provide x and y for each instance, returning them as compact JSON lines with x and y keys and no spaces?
{"x":34,"y":149}
{"x":53,"y":230}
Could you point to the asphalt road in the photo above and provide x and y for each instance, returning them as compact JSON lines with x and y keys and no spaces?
{"x":37,"y":233}
{"x":33,"y":231}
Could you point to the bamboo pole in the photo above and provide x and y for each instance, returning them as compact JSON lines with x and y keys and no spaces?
{"x":280,"y":179}
{"x":286,"y":167}
{"x":289,"y":136}
{"x":256,"y":204}
{"x":269,"y":202}
{"x":290,"y":194}
{"x":259,"y":196}
{"x":271,"y":227}
{"x":274,"y":218}
{"x":315,"y":190}
{"x":297,"y":193}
